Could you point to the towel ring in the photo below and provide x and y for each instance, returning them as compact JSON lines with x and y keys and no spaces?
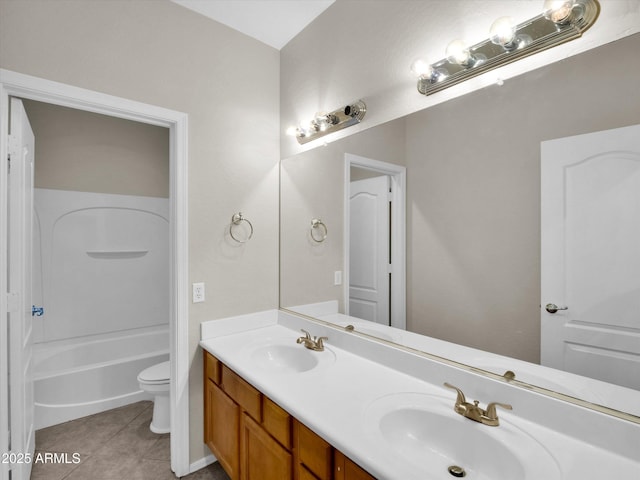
{"x":236,"y":220}
{"x":316,"y":223}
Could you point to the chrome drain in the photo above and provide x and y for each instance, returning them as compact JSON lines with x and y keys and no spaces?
{"x":457,"y":471}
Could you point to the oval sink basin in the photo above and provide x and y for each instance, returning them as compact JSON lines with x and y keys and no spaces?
{"x":426,"y":432}
{"x":285,"y":356}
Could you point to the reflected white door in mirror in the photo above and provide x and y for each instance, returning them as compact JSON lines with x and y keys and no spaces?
{"x":590,"y":257}
{"x":369,"y":259}
{"x":374,"y":243}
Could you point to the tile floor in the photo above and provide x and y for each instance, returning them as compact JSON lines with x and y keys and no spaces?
{"x":112,"y":445}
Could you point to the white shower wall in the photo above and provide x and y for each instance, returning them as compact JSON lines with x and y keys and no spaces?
{"x":101,"y":263}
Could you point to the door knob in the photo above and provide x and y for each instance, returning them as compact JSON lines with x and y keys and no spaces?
{"x":553,"y":308}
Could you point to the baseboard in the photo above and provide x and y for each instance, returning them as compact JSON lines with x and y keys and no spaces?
{"x":203,"y":462}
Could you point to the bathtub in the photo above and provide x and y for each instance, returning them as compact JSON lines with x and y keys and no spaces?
{"x":78,"y":377}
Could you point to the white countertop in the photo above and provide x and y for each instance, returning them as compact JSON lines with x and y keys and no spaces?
{"x":333,"y":399}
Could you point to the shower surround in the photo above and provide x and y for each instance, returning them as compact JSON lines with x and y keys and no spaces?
{"x":101,"y":274}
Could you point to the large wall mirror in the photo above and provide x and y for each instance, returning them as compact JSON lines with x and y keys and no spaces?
{"x":473,"y":209}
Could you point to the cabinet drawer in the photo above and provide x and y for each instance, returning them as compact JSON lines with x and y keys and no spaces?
{"x":212,"y":368}
{"x":313,"y":452}
{"x":241,"y":392}
{"x":277,"y":422}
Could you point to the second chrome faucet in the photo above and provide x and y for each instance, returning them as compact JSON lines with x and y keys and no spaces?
{"x":315,"y":343}
{"x":473,"y":412}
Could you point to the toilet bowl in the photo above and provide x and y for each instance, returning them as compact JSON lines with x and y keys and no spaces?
{"x":155,"y":380}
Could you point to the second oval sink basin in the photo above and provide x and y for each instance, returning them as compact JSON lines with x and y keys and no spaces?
{"x":285,"y":356}
{"x":426,"y":432}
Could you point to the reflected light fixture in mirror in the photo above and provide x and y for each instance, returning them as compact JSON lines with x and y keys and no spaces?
{"x":325,"y":123}
{"x":559,"y":22}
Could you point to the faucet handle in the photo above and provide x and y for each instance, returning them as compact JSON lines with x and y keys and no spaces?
{"x":491,"y":409}
{"x":461,"y":398}
{"x":307,"y":335}
{"x":319,"y":342}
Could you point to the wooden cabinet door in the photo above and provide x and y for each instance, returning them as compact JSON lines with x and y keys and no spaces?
{"x":345,"y":469}
{"x":222,"y":428}
{"x":304,"y":474}
{"x":262,"y":458}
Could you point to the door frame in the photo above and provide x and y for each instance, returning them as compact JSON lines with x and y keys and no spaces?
{"x":14,"y":84}
{"x":398,"y":177}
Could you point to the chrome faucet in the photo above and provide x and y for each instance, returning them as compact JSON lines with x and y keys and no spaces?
{"x":315,"y":343}
{"x":473,"y":412}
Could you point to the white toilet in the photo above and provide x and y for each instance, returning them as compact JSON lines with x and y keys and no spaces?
{"x":155,"y":380}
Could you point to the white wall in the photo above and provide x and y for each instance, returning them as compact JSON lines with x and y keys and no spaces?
{"x":160,"y":53}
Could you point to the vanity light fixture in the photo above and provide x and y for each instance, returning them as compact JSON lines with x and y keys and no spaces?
{"x":559,"y":22}
{"x":325,"y":123}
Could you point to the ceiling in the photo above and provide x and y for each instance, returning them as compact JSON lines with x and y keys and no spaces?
{"x":273,"y":22}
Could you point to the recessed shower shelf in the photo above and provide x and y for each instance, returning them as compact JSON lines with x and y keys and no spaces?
{"x":107,"y":254}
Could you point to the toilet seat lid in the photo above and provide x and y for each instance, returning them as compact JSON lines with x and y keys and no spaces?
{"x":156,"y":373}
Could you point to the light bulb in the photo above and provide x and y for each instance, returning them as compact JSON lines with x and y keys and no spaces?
{"x":313,"y":127}
{"x":292,"y":131}
{"x":320,"y":121}
{"x":558,"y":11}
{"x":422,"y":69}
{"x":503,"y":31}
{"x":458,"y":52}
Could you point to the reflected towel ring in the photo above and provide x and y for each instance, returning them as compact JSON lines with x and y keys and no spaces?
{"x":316,"y":223}
{"x":236,"y":220}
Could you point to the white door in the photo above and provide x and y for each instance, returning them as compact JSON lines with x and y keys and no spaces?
{"x":369,"y":270}
{"x":21,"y":406}
{"x":591,"y":255}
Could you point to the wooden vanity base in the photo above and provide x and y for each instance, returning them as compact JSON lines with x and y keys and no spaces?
{"x":255,"y":439}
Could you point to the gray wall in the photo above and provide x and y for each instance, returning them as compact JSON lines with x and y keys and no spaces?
{"x":88,"y":152}
{"x":160,"y":53}
{"x":473,"y":168}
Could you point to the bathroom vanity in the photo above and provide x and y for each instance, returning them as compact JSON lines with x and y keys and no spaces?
{"x":253,"y":437}
{"x":364,"y":408}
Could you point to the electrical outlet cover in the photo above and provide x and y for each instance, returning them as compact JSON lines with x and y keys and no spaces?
{"x":198,"y":292}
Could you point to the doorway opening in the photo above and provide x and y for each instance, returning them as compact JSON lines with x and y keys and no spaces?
{"x":17,"y":85}
{"x":100,"y":264}
{"x":375,"y":240}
